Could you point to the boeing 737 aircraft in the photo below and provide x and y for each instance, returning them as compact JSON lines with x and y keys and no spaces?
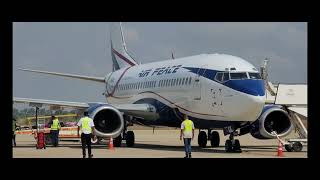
{"x":216,"y":91}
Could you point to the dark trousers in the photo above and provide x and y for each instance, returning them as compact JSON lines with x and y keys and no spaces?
{"x":14,"y":138}
{"x":86,"y":141}
{"x":187,"y":146}
{"x":54,"y":137}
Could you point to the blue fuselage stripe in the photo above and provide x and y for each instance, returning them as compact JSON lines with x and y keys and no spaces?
{"x":253,"y":87}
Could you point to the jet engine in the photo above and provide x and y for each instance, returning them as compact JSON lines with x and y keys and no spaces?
{"x":273,"y":118}
{"x":108,"y":120}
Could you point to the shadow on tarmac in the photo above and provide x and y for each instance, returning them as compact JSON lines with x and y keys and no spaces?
{"x":208,"y":149}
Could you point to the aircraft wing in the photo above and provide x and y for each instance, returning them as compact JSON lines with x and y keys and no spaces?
{"x":300,"y":110}
{"x":41,"y":102}
{"x":90,"y":78}
{"x":145,"y":111}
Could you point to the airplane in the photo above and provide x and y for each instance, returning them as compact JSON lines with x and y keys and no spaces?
{"x":216,"y":91}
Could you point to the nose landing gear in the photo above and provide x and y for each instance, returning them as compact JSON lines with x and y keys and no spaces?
{"x":233,"y":145}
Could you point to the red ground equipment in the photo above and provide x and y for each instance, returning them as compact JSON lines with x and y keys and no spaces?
{"x":41,"y":144}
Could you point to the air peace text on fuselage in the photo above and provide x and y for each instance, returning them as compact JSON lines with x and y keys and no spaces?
{"x":159,"y":71}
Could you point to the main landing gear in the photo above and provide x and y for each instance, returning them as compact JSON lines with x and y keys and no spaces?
{"x":212,"y":136}
{"x":126,"y":135}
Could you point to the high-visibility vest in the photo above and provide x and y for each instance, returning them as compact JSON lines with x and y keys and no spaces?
{"x":85,"y":125}
{"x":55,"y":124}
{"x":13,"y":126}
{"x":187,"y":125}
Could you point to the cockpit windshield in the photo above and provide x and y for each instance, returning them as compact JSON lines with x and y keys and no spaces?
{"x":254,"y":76}
{"x":225,"y":76}
{"x":238,"y":75}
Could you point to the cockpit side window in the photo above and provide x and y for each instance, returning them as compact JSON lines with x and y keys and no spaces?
{"x":239,"y":75}
{"x":254,"y":75}
{"x":226,"y":76}
{"x":219,"y":76}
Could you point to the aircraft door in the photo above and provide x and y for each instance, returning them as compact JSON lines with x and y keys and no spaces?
{"x":197,"y":83}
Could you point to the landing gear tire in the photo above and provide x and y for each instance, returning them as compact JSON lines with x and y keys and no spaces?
{"x":130,"y":139}
{"x":228,"y":145}
{"x":236,"y":146}
{"x":117,"y":141}
{"x":215,"y":139}
{"x":288,"y":147}
{"x":202,"y":139}
{"x":297,"y":146}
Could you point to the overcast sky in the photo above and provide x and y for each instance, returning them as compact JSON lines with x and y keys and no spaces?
{"x":84,"y":48}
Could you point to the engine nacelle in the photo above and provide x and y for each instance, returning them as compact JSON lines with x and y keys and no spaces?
{"x":273,"y":118}
{"x":108,"y":120}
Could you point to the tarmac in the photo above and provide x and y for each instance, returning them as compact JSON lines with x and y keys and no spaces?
{"x":162,"y":143}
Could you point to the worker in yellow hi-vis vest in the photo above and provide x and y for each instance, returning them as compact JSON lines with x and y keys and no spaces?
{"x":54,"y":130}
{"x":187,"y":131}
{"x":87,"y":127}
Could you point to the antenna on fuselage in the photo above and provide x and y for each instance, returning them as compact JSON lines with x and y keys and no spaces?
{"x":172,"y":55}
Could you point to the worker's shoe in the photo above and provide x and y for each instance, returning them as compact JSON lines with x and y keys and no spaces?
{"x":190,"y":155}
{"x":84,"y":156}
{"x":186,"y":156}
{"x":90,"y":156}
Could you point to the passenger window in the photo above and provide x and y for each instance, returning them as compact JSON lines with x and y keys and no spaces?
{"x":179,"y":81}
{"x":190,"y":81}
{"x":254,"y":76}
{"x":242,"y":75}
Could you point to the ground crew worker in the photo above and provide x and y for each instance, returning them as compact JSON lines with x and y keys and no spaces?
{"x":87,"y":127}
{"x":14,"y":127}
{"x":54,"y":130}
{"x":187,"y":131}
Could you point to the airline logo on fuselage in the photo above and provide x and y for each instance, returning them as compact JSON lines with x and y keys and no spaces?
{"x":159,"y":71}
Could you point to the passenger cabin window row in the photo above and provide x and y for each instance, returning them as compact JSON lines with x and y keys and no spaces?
{"x":138,"y":85}
{"x":225,"y":76}
{"x":175,"y":82}
{"x":153,"y":84}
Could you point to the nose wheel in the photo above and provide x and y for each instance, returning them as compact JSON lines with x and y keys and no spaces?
{"x":232,"y":145}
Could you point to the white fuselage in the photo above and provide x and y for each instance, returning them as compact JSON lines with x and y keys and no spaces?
{"x":192,"y":86}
